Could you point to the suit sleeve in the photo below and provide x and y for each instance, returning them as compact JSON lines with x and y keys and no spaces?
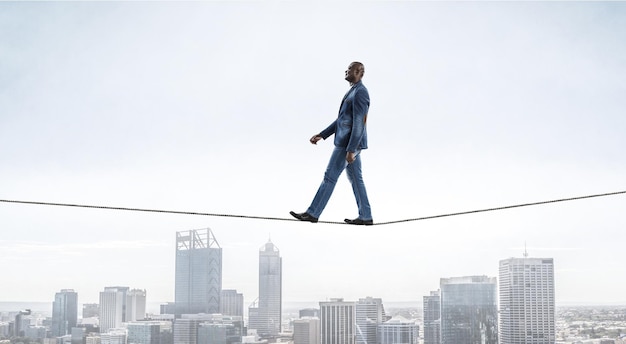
{"x":360,"y":108}
{"x":329,"y":130}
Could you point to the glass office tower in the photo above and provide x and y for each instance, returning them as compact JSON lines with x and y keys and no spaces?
{"x":469,"y":313}
{"x":198,"y":283}
{"x":64,"y":312}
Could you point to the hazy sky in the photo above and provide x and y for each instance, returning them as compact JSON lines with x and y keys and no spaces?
{"x":208,"y":107}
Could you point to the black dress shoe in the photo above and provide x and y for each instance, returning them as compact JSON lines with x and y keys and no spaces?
{"x":359,"y":222}
{"x":304,"y":217}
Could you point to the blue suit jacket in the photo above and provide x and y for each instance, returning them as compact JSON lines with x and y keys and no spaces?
{"x":350,"y":126}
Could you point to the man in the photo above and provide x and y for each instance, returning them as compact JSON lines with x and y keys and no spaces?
{"x":350,"y":138}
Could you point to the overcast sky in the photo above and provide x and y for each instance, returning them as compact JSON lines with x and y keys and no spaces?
{"x":208,"y":107}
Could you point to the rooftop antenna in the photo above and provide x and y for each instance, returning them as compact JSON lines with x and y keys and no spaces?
{"x":525,"y":250}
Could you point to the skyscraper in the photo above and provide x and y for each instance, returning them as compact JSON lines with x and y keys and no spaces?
{"x":432,"y":318}
{"x":111,"y":308}
{"x":369,"y":314}
{"x":338,"y":321}
{"x":469,"y":313}
{"x":124,"y":291}
{"x":266,"y":318}
{"x":64,"y":312}
{"x":135,"y":305}
{"x":198,"y":283}
{"x":527,"y":313}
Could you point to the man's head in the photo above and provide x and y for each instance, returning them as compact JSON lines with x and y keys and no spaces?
{"x":355,"y":72}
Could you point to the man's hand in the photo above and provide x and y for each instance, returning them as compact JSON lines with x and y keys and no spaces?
{"x":350,"y":157}
{"x":315,"y":138}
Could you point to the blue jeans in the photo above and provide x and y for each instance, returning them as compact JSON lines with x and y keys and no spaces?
{"x":336,"y":165}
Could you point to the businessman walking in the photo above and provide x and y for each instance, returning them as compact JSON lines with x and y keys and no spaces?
{"x":350,"y":139}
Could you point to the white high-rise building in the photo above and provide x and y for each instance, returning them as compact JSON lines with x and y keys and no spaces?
{"x":135,"y":305}
{"x":111,"y":308}
{"x":527,"y":306}
{"x":369,"y":314}
{"x":266,"y":316}
{"x":338,"y":322}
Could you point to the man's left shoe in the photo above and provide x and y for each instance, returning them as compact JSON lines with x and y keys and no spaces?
{"x":304,"y":217}
{"x":359,"y":222}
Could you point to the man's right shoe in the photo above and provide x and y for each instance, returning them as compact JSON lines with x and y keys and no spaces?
{"x":359,"y":222}
{"x":304,"y":217}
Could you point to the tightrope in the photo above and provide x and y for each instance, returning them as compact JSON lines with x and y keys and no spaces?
{"x":292,"y":219}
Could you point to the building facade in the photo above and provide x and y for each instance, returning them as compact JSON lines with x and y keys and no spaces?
{"x":221,"y":330}
{"x":432,"y":318}
{"x":144,"y":332}
{"x":64,"y":312}
{"x":527,"y":305}
{"x":266,"y":318}
{"x":306,"y":331}
{"x":198,"y":280}
{"x":398,"y":330}
{"x":469,"y":313}
{"x":207,"y":329}
{"x":135,"y":305}
{"x":231,"y":303}
{"x":369,"y":314}
{"x":338,"y":322}
{"x":111,"y":308}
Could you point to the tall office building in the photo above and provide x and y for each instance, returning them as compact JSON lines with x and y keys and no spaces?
{"x":198,"y":283}
{"x":398,"y":330}
{"x":432,"y":318}
{"x":266,"y":317}
{"x":135,"y":305}
{"x":338,"y":321}
{"x":469,"y":313}
{"x":527,"y":313}
{"x":306,"y":331}
{"x":111,"y":308}
{"x":231,"y":303}
{"x":64,"y":312}
{"x":369,"y":314}
{"x":124,"y":291}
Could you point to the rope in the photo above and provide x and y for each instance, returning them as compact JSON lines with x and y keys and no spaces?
{"x":503,"y":208}
{"x":327,"y":222}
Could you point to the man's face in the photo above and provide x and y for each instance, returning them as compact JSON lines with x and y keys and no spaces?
{"x":353,"y":73}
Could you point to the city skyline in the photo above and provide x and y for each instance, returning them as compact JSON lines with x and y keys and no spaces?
{"x":208,"y":106}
